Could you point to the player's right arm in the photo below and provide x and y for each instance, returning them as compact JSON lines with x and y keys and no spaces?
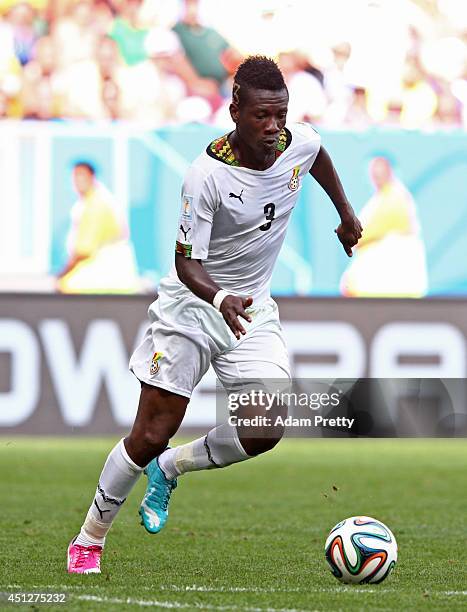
{"x":199,"y":206}
{"x":194,"y":276}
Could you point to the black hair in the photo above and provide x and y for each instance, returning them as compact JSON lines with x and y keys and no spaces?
{"x":87,"y":165}
{"x":256,"y":72}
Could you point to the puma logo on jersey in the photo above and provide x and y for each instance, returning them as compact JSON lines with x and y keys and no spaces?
{"x":185,"y":231}
{"x":239,"y":197}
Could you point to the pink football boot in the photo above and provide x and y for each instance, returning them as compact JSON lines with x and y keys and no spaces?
{"x":84,"y":559}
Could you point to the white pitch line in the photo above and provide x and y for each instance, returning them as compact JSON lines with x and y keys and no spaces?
{"x":179,"y":605}
{"x":359,"y":590}
{"x":220,"y":589}
{"x":224,"y":589}
{"x":11,"y":586}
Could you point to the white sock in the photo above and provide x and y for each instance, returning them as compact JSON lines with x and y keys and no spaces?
{"x":219,"y":448}
{"x":118,"y":477}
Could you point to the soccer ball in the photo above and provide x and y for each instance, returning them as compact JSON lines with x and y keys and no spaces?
{"x":361,"y":549}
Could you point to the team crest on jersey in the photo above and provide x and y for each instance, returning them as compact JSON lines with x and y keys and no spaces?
{"x":155,"y":365}
{"x":187,"y":203}
{"x":294,"y":182}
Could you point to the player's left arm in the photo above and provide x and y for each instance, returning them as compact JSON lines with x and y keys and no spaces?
{"x":349,"y":230}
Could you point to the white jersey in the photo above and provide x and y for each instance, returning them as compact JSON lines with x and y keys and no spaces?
{"x":235,"y":219}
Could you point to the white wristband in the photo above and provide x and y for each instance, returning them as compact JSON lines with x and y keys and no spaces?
{"x":219,"y":298}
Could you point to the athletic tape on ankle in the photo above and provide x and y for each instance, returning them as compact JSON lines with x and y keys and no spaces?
{"x":184,"y":459}
{"x":94,"y":529}
{"x":224,"y":447}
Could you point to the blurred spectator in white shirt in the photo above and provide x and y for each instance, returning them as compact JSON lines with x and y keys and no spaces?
{"x":337,"y":84}
{"x":94,"y":83}
{"x":75,"y":34}
{"x":356,"y":116}
{"x":43,"y":84}
{"x":307,"y":101}
{"x":153,"y":89}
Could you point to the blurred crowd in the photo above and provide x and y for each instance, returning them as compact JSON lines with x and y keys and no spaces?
{"x":347,"y":63}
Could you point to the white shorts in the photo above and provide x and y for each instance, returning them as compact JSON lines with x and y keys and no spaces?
{"x":186,"y":335}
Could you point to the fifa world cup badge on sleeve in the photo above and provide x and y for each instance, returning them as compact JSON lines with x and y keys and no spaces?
{"x":155,"y":365}
{"x":187,"y":204}
{"x":294,"y":181}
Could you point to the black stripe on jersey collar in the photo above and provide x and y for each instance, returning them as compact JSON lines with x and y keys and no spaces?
{"x":221,"y":150}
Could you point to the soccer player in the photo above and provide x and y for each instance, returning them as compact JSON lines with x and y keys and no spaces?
{"x":215,"y":306}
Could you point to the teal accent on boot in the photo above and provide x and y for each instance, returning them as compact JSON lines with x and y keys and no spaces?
{"x":154,"y":507}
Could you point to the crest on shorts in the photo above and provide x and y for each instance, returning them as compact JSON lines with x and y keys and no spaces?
{"x":155,"y":365}
{"x":294,"y":182}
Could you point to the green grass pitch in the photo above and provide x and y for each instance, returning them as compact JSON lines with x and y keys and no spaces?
{"x":247,"y":538}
